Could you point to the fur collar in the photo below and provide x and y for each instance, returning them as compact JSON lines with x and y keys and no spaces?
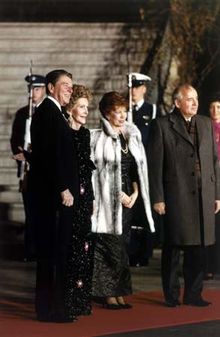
{"x":130,"y":130}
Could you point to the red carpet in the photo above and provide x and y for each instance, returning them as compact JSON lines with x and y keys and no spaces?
{"x":18,"y":319}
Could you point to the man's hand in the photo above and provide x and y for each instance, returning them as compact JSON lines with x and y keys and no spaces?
{"x":217,"y":206}
{"x":67,"y":198}
{"x":160,"y":208}
{"x":19,"y":156}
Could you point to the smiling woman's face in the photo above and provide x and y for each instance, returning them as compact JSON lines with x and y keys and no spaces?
{"x":117,"y":117}
{"x":80,"y":111}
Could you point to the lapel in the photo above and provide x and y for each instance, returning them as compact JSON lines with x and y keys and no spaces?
{"x":177,"y":124}
{"x":200,"y":129}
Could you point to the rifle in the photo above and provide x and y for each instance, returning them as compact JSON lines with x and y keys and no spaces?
{"x":27,"y":136}
{"x":130,"y":116}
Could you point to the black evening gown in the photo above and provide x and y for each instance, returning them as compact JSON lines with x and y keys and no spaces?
{"x":111,"y":274}
{"x":78,"y":280}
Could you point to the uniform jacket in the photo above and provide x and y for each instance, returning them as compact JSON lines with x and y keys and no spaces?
{"x":142,"y":118}
{"x":18,"y":132}
{"x":173,"y":179}
{"x":106,"y":154}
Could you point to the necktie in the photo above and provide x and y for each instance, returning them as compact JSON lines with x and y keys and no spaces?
{"x":188,"y":124}
{"x":135,"y":108}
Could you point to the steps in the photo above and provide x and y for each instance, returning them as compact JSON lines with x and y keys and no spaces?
{"x":99,"y":55}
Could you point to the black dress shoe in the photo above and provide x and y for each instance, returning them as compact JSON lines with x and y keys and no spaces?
{"x":125,"y":305}
{"x":60,"y":317}
{"x":199,"y":302}
{"x":208,"y":276}
{"x":43,"y":319}
{"x":111,"y":306}
{"x":172,"y":303}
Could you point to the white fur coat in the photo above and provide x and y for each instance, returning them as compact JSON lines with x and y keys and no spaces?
{"x":106,"y":154}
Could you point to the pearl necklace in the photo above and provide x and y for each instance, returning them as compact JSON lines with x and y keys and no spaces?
{"x":125,"y":150}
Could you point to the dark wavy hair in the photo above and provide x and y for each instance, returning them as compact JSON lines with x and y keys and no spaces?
{"x":54,"y":75}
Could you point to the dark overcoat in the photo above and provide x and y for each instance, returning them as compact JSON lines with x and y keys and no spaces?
{"x":173,"y":179}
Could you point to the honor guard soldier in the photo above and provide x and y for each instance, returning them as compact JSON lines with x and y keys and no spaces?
{"x":143,"y":112}
{"x":20,"y":139}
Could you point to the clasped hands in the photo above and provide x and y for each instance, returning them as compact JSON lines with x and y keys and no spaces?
{"x":128,"y":201}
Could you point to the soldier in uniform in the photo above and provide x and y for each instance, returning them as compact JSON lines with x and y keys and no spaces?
{"x":143,"y":111}
{"x":36,"y":85}
{"x":142,"y":241}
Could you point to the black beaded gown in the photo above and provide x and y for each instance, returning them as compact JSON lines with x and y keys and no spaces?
{"x":111,"y":274}
{"x":78,"y":280}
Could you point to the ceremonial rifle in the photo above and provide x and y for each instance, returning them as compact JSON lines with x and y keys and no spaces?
{"x":27,"y":135}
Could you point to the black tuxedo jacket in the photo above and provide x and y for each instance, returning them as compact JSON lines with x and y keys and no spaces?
{"x":53,"y":166}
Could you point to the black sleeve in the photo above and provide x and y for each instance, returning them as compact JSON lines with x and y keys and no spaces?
{"x":133,"y":172}
{"x":18,"y":130}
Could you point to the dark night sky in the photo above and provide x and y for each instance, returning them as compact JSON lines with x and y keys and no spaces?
{"x":70,"y":10}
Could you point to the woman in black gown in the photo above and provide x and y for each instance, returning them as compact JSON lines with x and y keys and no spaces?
{"x":78,"y":280}
{"x":121,"y":173}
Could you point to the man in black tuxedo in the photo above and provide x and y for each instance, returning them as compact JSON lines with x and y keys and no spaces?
{"x":55,"y":188}
{"x":20,"y":133}
{"x":142,"y":241}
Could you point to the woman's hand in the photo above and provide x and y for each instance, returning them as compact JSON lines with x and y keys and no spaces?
{"x":125,"y":199}
{"x":133,"y":198}
{"x":129,"y":201}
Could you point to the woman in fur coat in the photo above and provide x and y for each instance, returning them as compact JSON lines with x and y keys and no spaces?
{"x":120,"y":175}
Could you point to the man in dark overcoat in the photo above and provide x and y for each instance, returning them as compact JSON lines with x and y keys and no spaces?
{"x":184,"y":187}
{"x":55,"y":188}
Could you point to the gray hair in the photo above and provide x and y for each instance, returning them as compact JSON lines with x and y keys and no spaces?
{"x":177,"y":94}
